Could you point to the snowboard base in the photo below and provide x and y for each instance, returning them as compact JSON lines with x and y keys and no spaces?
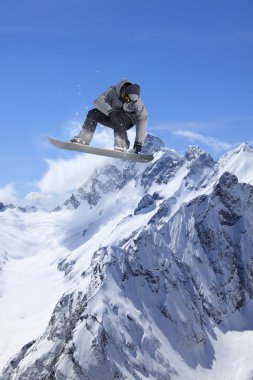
{"x":100,"y":151}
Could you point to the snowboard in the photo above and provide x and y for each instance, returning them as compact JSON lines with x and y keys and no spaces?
{"x":100,"y":151}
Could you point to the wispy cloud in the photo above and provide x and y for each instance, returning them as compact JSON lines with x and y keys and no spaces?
{"x":199,"y":131}
{"x":202,"y":125}
{"x":211,"y":142}
{"x":185,"y":124}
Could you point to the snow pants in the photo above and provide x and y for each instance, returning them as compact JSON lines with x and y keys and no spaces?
{"x":120,"y":128}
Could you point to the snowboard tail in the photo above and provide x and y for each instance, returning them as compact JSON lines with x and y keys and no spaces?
{"x":100,"y":151}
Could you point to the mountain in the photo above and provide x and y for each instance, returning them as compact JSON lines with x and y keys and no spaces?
{"x":145,"y":272}
{"x":4,"y":207}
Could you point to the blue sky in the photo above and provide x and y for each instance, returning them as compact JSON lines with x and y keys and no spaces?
{"x":193,"y":60}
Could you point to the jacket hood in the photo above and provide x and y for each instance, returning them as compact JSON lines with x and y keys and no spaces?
{"x":120,"y":84}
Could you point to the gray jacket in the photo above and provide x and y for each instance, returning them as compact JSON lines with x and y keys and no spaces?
{"x":111,"y":99}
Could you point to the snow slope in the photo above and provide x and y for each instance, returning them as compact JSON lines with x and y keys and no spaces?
{"x":30,"y":281}
{"x":145,"y":272}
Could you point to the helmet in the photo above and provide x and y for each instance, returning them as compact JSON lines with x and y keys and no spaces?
{"x":131,"y":93}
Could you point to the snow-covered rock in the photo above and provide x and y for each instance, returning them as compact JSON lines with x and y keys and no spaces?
{"x":4,"y":207}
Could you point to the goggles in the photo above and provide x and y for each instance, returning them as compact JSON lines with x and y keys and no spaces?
{"x":130,"y":98}
{"x":133,"y":97}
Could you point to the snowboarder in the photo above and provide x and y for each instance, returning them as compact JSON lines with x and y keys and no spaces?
{"x":120,"y":108}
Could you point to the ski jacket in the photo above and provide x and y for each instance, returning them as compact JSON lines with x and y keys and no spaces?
{"x":137,"y":112}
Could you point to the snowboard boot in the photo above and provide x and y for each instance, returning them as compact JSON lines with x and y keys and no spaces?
{"x":120,"y":149}
{"x":78,"y":140}
{"x":121,"y":145}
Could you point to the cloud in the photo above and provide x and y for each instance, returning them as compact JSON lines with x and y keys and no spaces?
{"x":8,"y":194}
{"x":202,"y":125}
{"x":190,"y":130}
{"x":103,"y":137}
{"x":62,"y":177}
{"x":43,"y":201}
{"x":195,"y":125}
{"x":212,"y":142}
{"x":65,"y":175}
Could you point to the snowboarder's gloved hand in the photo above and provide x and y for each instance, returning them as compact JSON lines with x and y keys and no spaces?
{"x":113,"y":116}
{"x":137,"y":147}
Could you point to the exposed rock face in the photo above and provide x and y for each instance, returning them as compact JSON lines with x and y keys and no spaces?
{"x":104,"y":181}
{"x":4,"y":207}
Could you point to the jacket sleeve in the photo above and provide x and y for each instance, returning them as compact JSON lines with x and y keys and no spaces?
{"x":141,"y":122}
{"x":104,"y":101}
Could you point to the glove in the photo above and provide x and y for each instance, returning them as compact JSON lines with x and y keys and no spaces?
{"x":113,"y":116}
{"x":137,"y":147}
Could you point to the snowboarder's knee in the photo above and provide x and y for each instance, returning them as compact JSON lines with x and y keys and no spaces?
{"x":92,"y":113}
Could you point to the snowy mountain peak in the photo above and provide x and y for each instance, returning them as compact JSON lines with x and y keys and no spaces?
{"x":198,"y":157}
{"x":238,"y":161}
{"x":193,"y":152}
{"x":152,"y":144}
{"x":237,"y":151}
{"x":245,"y":147}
